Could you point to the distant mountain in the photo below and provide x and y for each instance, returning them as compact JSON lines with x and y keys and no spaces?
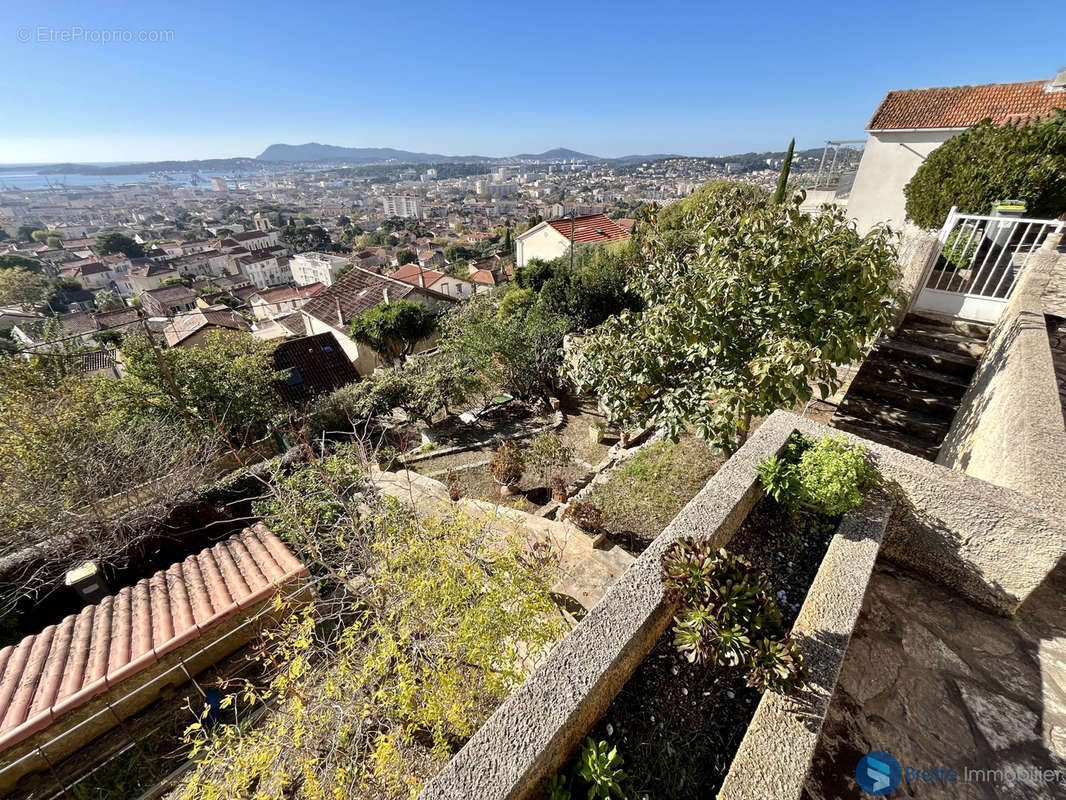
{"x":313,"y":151}
{"x":556,"y":154}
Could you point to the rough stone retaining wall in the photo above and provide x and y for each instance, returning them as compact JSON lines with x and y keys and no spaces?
{"x":1009,"y":429}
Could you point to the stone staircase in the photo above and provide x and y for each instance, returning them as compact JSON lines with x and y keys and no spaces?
{"x":908,"y":389}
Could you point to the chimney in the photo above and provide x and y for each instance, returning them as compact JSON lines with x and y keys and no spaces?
{"x":1056,"y":84}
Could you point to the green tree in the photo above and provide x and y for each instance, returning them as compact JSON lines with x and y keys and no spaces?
{"x":226,"y":385}
{"x":302,"y":239}
{"x":114,"y":242}
{"x":393,"y":329}
{"x":987,"y":163}
{"x":782,"y":179}
{"x":406,"y":257}
{"x":11,"y":261}
{"x":772,"y":301}
{"x":21,"y":288}
{"x":108,"y":300}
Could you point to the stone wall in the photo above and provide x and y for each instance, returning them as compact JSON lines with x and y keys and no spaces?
{"x":1009,"y":429}
{"x":917,"y":248}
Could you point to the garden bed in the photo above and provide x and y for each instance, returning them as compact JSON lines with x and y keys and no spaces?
{"x":676,"y":724}
{"x":640,"y":497}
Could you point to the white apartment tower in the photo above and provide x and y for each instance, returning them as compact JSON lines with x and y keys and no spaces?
{"x":401,"y":205}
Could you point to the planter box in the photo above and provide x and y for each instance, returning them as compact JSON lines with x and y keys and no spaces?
{"x":543,"y":723}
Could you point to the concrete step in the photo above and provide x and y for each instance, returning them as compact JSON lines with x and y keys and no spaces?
{"x":945,"y":341}
{"x":917,"y":355}
{"x":876,"y":368}
{"x":975,"y":330}
{"x":931,"y":403}
{"x":912,"y":423}
{"x":873,"y":432}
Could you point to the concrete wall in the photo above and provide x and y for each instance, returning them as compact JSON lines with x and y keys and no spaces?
{"x":889,"y":161}
{"x":1009,"y":429}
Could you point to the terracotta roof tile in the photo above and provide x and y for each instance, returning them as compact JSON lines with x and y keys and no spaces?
{"x":963,"y":106}
{"x":592,"y":228}
{"x":66,"y":665}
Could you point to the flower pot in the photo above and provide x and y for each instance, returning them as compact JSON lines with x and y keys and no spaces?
{"x":454,"y":495}
{"x":559,"y":495}
{"x":595,"y":434}
{"x":624,"y":437}
{"x":507,"y":489}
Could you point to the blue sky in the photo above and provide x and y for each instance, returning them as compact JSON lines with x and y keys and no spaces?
{"x":699,"y":78}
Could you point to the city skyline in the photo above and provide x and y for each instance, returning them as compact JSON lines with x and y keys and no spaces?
{"x":129,"y":83}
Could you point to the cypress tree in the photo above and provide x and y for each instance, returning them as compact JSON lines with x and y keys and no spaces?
{"x":782,"y":179}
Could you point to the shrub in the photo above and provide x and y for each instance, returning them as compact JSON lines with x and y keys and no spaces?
{"x":548,"y":453}
{"x":987,"y":163}
{"x":829,"y":475}
{"x":387,"y":456}
{"x":833,"y":475}
{"x":727,"y":615}
{"x":601,"y":768}
{"x":585,"y":515}
{"x":507,"y":464}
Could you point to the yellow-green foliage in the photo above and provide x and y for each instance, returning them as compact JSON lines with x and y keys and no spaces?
{"x":380,"y":682}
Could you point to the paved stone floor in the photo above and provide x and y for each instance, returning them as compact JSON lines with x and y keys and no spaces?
{"x":935,"y":682}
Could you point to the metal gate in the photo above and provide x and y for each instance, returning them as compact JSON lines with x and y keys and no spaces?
{"x":978,"y":262}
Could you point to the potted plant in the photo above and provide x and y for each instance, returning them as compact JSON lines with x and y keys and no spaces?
{"x":452,"y":481}
{"x":548,"y":454}
{"x":559,"y":488}
{"x":587,"y":516}
{"x":506,"y":467}
{"x":596,"y":431}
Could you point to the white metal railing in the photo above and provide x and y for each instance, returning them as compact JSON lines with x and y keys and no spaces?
{"x":978,"y":262}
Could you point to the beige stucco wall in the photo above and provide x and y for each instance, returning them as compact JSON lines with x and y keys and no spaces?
{"x":889,"y":161}
{"x":541,"y":241}
{"x":1009,"y":429}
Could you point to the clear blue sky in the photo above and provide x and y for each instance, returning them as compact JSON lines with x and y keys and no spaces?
{"x":699,"y":78}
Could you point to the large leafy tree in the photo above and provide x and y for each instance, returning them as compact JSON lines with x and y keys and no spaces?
{"x":770,"y":302}
{"x":302,"y":239}
{"x":226,"y":385}
{"x":114,"y":242}
{"x":393,"y":329}
{"x":21,"y":288}
{"x":990,"y":162}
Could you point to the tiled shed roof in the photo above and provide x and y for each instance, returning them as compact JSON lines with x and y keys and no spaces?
{"x":963,"y":106}
{"x":592,"y":228}
{"x":66,"y":665}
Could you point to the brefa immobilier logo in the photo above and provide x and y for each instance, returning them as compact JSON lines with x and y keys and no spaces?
{"x":878,"y":773}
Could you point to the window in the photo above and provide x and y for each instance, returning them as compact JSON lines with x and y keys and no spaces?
{"x":293,"y":377}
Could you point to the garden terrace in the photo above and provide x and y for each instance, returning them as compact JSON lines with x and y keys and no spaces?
{"x":981,"y":544}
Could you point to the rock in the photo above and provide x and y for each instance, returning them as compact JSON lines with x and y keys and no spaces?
{"x":1003,"y":722}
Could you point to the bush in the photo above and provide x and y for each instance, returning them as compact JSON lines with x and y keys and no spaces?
{"x":830,"y":475}
{"x":548,"y":453}
{"x":987,"y":163}
{"x":507,"y":464}
{"x":833,"y":475}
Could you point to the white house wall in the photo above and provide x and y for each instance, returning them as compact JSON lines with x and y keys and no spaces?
{"x":888,"y":163}
{"x":542,"y":242}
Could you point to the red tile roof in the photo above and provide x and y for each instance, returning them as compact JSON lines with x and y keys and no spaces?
{"x":963,"y":106}
{"x":593,"y":228}
{"x":410,"y":273}
{"x":66,"y":665}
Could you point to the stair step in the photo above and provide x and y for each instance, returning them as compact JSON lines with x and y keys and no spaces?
{"x":870,"y":430}
{"x":913,"y":424}
{"x":932,"y":403}
{"x":876,"y":368}
{"x":918,"y":355}
{"x":975,"y":330}
{"x":945,"y":341}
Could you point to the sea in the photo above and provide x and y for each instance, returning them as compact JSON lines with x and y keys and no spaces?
{"x":27,"y":179}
